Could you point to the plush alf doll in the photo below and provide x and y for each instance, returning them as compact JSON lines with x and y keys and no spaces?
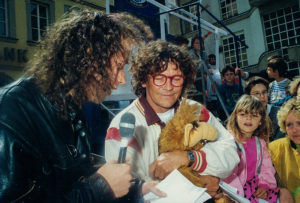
{"x":186,"y":132}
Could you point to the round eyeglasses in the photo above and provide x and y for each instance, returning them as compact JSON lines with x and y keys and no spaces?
{"x":161,"y":79}
{"x":260,"y":94}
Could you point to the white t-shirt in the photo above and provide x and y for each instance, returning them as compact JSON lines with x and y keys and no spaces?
{"x":168,"y":115}
{"x":216,"y":77}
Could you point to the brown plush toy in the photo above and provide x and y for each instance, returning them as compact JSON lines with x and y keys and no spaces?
{"x":186,"y":132}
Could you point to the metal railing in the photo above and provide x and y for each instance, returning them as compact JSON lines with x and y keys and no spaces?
{"x":237,"y":40}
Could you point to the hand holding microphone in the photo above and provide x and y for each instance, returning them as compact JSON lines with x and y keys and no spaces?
{"x":119,"y":175}
{"x":126,"y":131}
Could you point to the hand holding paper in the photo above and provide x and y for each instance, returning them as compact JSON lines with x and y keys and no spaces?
{"x":151,"y":187}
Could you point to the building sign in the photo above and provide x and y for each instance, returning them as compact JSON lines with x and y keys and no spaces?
{"x":8,"y":54}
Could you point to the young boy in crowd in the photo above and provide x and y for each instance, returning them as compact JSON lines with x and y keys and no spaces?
{"x":277,"y":69}
{"x":229,"y":90}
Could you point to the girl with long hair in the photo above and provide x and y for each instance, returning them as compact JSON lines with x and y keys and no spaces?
{"x":254,"y":177}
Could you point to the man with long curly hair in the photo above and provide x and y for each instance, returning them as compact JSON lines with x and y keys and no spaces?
{"x":162,"y":73}
{"x":45,"y":152}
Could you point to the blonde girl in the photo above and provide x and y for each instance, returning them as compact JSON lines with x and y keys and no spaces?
{"x":254,"y":177}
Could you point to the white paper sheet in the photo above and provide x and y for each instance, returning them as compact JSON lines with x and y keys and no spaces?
{"x":232,"y":192}
{"x":178,"y":189}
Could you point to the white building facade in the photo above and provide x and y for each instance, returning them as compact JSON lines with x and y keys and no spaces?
{"x":268,"y":27}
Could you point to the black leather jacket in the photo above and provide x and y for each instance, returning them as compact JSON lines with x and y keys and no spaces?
{"x":42,"y":158}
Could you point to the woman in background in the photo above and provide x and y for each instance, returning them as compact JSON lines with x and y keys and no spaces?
{"x":285,"y":152}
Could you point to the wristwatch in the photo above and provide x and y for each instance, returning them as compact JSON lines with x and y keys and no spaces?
{"x":191,"y":158}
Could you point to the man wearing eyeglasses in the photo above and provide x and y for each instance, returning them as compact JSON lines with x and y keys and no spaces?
{"x":259,"y":87}
{"x":162,"y":73}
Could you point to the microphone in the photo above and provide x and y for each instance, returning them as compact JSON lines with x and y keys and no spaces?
{"x":126,"y":130}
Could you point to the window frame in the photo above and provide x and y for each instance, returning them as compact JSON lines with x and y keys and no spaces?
{"x":229,"y":51}
{"x":51,"y":17}
{"x":5,"y":21}
{"x":39,"y":18}
{"x":10,"y":18}
{"x":277,"y":33}
{"x":278,"y":36}
{"x":232,"y":5}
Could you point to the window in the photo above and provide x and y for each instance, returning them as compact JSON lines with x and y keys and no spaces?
{"x":293,"y":65}
{"x":7,"y":21}
{"x":228,"y":8}
{"x":3,"y":18}
{"x":187,"y":26}
{"x":229,"y":52}
{"x":40,"y":14}
{"x":282,"y":28}
{"x":39,"y":20}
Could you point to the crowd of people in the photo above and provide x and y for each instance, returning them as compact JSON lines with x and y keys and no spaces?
{"x":259,"y":105}
{"x":45,"y":143}
{"x":275,"y":91}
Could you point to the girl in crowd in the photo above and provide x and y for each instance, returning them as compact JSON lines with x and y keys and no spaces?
{"x":259,"y":87}
{"x":285,"y":152}
{"x":254,"y":177}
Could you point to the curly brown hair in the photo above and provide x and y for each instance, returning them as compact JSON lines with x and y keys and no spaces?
{"x":250,"y":104}
{"x":80,"y":43}
{"x":147,"y":60}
